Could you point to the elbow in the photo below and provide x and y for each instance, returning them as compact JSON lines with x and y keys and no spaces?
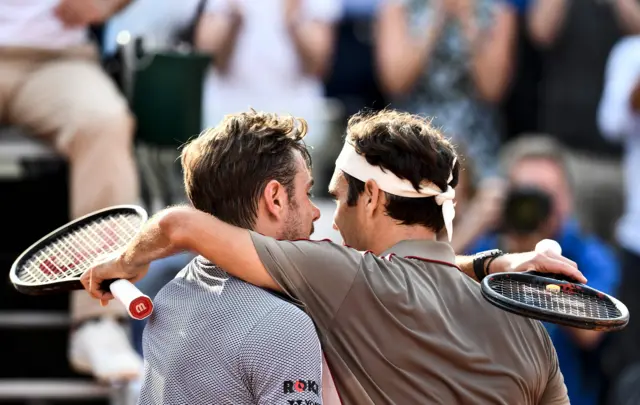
{"x":320,"y":69}
{"x":542,"y":39}
{"x":394,"y":84}
{"x":541,"y":33}
{"x":492,"y":90}
{"x":492,"y":96}
{"x":395,"y":88}
{"x":587,"y":340}
{"x":172,"y":225}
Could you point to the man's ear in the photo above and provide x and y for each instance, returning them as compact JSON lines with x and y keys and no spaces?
{"x":372,"y":197}
{"x":275,"y":198}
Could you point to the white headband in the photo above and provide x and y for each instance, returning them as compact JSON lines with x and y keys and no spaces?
{"x":356,"y":165}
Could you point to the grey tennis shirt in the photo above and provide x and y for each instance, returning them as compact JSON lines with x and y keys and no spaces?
{"x":410,"y":328}
{"x":214,"y":339}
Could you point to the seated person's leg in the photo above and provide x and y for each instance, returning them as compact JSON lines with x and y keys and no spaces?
{"x":71,"y":102}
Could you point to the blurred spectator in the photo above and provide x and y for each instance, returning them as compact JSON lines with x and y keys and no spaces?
{"x":451,"y":60}
{"x":619,"y":119}
{"x":161,"y":23}
{"x":539,"y":205}
{"x":353,"y":78}
{"x":576,"y":38}
{"x":52,"y":84}
{"x":521,"y":104}
{"x":269,"y":55}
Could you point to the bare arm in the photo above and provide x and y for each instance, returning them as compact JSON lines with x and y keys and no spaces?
{"x":629,"y":15}
{"x":232,"y":248}
{"x":493,"y":52}
{"x":545,"y":20}
{"x":179,"y":229}
{"x":76,"y":13}
{"x":585,"y":339}
{"x":217,"y":34}
{"x":313,"y":40}
{"x":151,"y":243}
{"x":401,"y":58}
{"x":635,"y":98}
{"x":226,"y":245}
{"x":547,"y":262}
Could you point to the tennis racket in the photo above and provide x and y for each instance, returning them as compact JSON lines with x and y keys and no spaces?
{"x":56,"y":262}
{"x":555,"y":299}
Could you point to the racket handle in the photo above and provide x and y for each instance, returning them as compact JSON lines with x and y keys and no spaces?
{"x":138,"y":305}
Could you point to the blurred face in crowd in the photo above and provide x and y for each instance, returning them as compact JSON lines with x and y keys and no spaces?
{"x":548,"y":176}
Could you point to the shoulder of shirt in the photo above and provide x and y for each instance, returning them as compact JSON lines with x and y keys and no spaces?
{"x":284,"y":317}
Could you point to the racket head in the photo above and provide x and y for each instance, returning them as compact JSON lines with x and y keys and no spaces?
{"x":556,"y":301}
{"x":56,"y":262}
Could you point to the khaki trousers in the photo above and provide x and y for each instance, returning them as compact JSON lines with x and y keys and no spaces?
{"x":65,"y":98}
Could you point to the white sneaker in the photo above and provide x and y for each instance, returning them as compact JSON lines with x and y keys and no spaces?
{"x":103,"y":350}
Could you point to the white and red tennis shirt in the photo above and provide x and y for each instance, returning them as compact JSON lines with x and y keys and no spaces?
{"x":214,"y":339}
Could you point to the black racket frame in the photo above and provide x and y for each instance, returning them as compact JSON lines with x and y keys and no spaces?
{"x":545,"y":315}
{"x":69,"y":284}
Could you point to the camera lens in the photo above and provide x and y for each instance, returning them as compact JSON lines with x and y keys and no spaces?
{"x":526,"y":209}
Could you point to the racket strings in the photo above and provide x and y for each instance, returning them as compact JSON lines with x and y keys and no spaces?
{"x":570,"y":302}
{"x":71,"y":255}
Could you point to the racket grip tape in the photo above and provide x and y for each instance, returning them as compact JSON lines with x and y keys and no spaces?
{"x":138,"y":305}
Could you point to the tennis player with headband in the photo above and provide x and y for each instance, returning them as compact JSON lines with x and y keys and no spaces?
{"x":398,"y":320}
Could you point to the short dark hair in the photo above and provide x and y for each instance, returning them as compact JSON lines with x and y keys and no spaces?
{"x":413,"y":150}
{"x":227,"y":168}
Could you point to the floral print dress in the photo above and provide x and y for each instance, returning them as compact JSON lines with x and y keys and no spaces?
{"x":446,"y":91}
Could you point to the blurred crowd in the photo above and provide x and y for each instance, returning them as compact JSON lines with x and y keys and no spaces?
{"x":542,"y":98}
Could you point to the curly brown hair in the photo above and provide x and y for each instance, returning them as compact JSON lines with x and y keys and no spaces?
{"x":410,"y":147}
{"x":226,"y":168}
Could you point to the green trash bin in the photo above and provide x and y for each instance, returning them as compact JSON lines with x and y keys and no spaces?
{"x":167,"y":97}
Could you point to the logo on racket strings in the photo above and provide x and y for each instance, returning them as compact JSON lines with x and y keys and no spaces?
{"x":55,"y":265}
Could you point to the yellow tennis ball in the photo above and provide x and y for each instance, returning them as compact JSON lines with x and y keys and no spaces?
{"x":553,"y":288}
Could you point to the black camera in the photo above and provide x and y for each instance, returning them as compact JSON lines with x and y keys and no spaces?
{"x":526,"y":209}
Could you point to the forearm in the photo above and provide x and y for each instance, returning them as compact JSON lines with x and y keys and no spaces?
{"x":401,"y":58}
{"x":492,"y":54}
{"x":465,"y":263}
{"x":585,"y":339}
{"x":546,"y":18}
{"x":628,"y":12}
{"x":635,"y":99}
{"x":152,"y":243}
{"x":228,"y":246}
{"x":313,"y":42}
{"x":217,"y":35}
